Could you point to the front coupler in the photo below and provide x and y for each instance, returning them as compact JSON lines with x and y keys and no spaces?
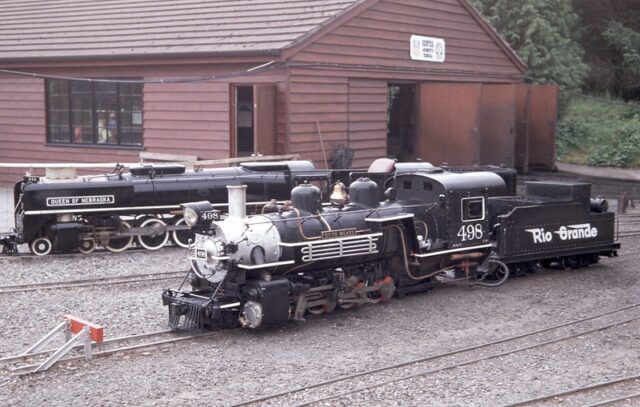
{"x":196,"y":310}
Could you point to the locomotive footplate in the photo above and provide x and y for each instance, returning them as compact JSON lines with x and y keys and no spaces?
{"x":195,"y":310}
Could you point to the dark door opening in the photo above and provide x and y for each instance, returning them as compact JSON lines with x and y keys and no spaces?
{"x":401,"y":121}
{"x":244,"y":121}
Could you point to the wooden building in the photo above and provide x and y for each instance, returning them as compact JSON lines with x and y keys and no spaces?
{"x":221,"y":78}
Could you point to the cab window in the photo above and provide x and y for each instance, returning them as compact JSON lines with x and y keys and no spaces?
{"x":472,"y":209}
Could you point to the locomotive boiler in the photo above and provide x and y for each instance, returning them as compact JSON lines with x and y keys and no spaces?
{"x":300,"y":257}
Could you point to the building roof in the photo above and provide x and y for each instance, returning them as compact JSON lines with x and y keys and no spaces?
{"x":97,"y":29}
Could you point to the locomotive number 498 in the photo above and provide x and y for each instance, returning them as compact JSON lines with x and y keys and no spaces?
{"x":471,"y":232}
{"x":211,"y":215}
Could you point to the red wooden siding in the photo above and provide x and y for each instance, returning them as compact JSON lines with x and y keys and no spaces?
{"x":497,"y":124}
{"x":543,"y":121}
{"x":23,"y":131}
{"x":380,"y":37}
{"x":367,"y":124}
{"x":187,"y":119}
{"x":282,"y":118}
{"x":22,"y":121}
{"x":448,"y":123}
{"x":317,"y":98}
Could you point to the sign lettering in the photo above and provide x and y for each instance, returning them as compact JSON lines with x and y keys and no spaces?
{"x":427,"y":48}
{"x":569,"y":232}
{"x":332,"y":234}
{"x":81,"y":200}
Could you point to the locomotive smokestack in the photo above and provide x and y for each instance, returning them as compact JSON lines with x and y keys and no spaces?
{"x":237,"y":201}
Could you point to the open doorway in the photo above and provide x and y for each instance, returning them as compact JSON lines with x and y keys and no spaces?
{"x":401,"y":121}
{"x":253,"y":119}
{"x":244,"y":121}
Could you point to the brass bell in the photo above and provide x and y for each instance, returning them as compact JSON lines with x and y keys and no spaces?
{"x":339,"y":195}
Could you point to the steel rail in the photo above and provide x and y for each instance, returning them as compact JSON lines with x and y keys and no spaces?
{"x":133,"y":278}
{"x":616,"y":400}
{"x":575,"y":390}
{"x":21,"y":358}
{"x":434,"y":357}
{"x":29,"y":369}
{"x":469,"y":362}
{"x":98,"y":251}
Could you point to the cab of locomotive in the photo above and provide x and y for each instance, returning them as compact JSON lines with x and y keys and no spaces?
{"x":459,"y":213}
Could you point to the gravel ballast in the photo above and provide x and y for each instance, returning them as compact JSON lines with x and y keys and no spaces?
{"x":237,"y":366}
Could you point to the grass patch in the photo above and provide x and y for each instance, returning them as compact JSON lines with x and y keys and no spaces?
{"x":599,"y":132}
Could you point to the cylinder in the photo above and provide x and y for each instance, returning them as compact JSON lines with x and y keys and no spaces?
{"x":237,"y":201}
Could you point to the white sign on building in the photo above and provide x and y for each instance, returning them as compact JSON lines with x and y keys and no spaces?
{"x":427,"y":48}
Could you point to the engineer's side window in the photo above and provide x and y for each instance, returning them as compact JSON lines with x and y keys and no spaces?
{"x":472,"y":209}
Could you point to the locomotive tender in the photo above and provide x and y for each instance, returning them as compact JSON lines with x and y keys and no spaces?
{"x":299,"y":258}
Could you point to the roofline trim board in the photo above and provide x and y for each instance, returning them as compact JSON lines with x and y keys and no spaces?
{"x":182,"y":58}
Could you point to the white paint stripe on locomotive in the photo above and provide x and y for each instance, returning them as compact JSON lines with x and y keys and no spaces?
{"x":86,"y":210}
{"x":390,"y":218}
{"x":124,"y":208}
{"x":484,"y":246}
{"x":233,"y":304}
{"x":258,"y":266}
{"x":337,"y":239}
{"x":220,"y":258}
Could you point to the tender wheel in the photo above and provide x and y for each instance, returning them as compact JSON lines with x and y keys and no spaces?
{"x":566,"y":263}
{"x":158,"y":238}
{"x":120,"y":244}
{"x":87,"y":246}
{"x":181,"y":237}
{"x":41,"y":246}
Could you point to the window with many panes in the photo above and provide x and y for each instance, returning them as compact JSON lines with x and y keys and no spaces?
{"x":99,"y":113}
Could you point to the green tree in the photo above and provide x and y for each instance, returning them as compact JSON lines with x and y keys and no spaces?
{"x":627,"y":41}
{"x":607,"y":27}
{"x":545,"y":35}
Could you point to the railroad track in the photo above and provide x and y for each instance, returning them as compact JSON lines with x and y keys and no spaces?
{"x":630,"y":392}
{"x":53,"y":285}
{"x":376,"y":378}
{"x":23,"y":364}
{"x":97,"y":252}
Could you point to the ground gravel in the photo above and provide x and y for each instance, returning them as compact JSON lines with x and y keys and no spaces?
{"x":241,"y":365}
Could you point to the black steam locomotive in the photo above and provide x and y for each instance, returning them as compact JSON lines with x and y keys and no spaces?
{"x":300,"y":258}
{"x":111,"y":210}
{"x":142,"y":205}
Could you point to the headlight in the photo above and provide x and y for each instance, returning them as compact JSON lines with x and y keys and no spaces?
{"x":199,"y":215}
{"x":190,"y":216}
